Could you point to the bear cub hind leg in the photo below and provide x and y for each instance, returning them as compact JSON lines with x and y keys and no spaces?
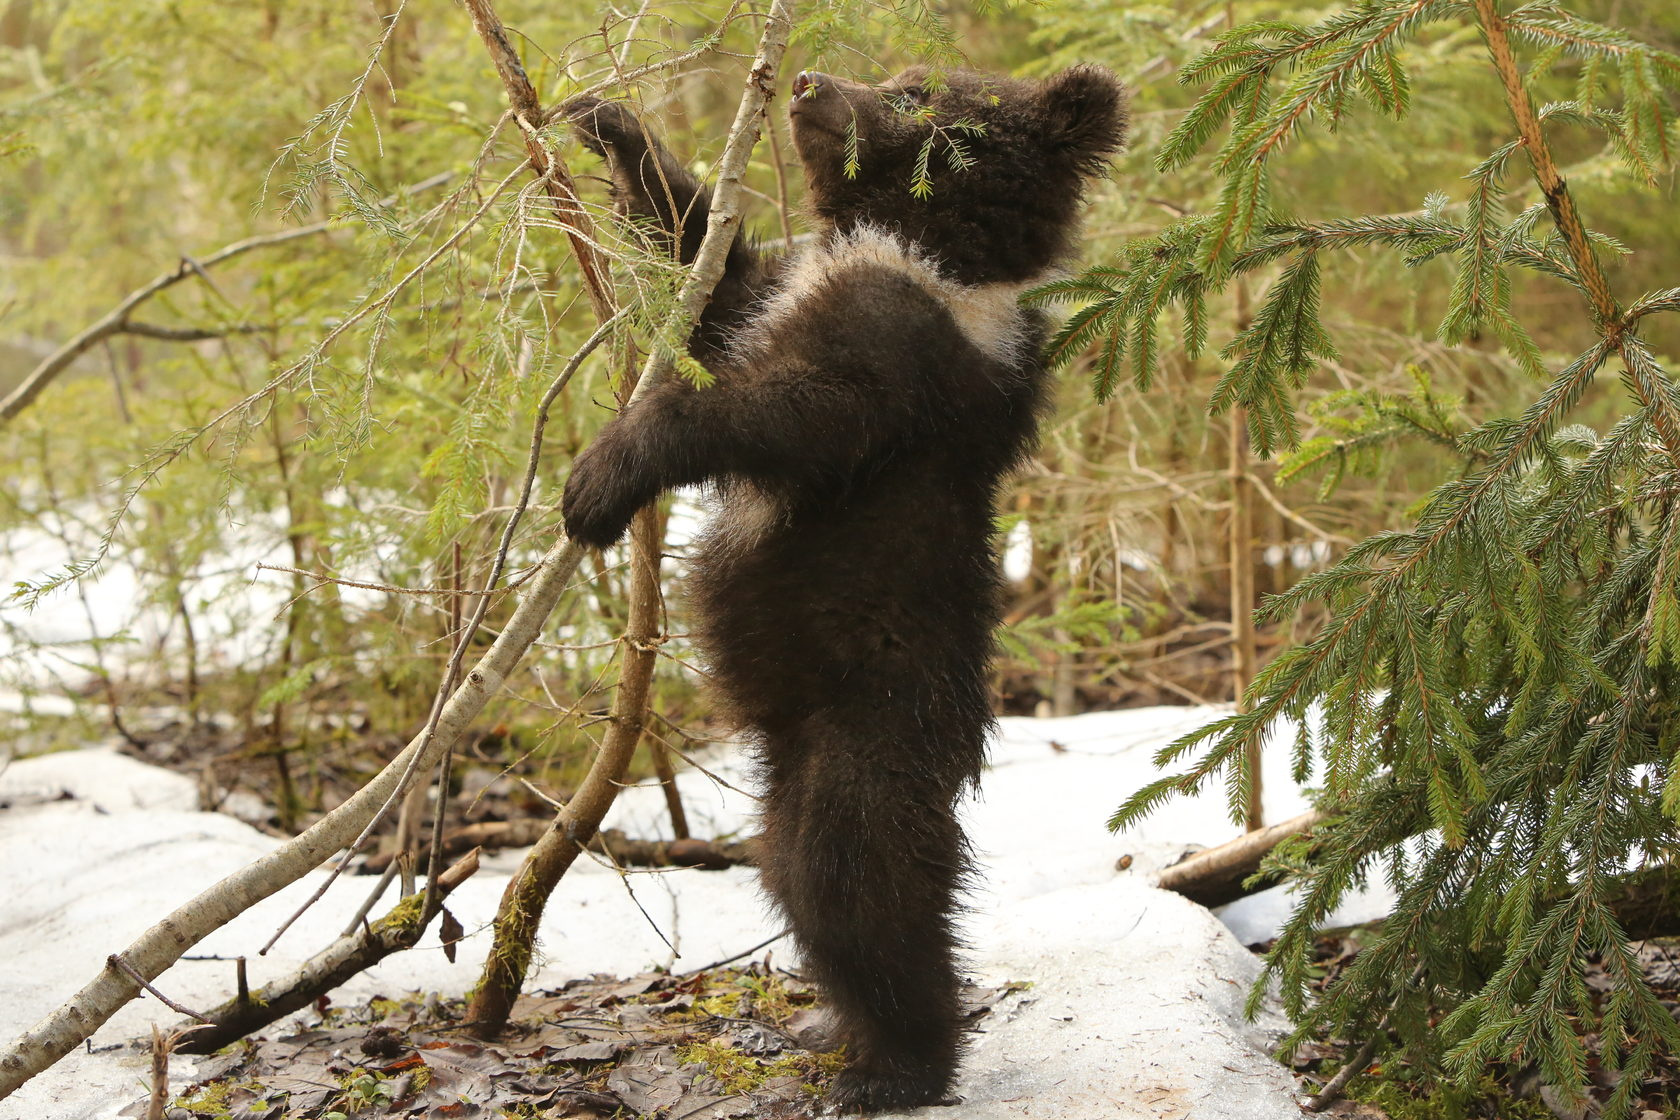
{"x":866,"y":865}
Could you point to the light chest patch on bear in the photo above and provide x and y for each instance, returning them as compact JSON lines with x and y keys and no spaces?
{"x":987,"y":314}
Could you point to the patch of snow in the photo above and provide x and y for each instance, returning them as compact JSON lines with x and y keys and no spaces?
{"x":103,"y":777}
{"x":1135,"y":1005}
{"x":1018,"y":552}
{"x":1135,"y":1011}
{"x":36,"y":703}
{"x":232,"y":603}
{"x":1073,"y":772}
{"x":1300,"y":554}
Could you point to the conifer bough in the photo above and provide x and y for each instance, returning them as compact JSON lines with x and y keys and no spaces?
{"x":1492,"y":705}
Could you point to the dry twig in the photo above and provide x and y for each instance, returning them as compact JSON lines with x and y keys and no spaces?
{"x":353,"y":953}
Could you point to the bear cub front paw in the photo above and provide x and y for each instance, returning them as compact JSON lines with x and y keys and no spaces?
{"x":595,"y":506}
{"x":604,"y":124}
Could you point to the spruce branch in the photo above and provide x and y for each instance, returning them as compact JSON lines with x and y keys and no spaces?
{"x":1550,"y":25}
{"x":1377,"y":31}
{"x":1491,"y":695}
{"x":1558,"y":198}
{"x":1647,"y":383}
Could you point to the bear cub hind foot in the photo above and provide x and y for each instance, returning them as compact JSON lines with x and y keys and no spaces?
{"x":862,"y":1089}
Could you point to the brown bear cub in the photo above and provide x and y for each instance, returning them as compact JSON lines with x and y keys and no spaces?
{"x":870,"y":395}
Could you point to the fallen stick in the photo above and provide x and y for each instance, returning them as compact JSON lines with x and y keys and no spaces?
{"x":492,"y":836}
{"x":1646,"y":903}
{"x":398,"y":930}
{"x":710,"y":855}
{"x":706,"y":855}
{"x":1216,"y":876}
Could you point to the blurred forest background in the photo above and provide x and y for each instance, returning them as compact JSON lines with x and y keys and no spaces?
{"x":352,"y":396}
{"x":282,"y":305}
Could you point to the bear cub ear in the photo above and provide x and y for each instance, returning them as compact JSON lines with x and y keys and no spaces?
{"x":1087,"y":113}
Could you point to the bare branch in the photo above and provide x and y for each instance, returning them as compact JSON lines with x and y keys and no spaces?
{"x":527,"y":110}
{"x":116,"y":321}
{"x":116,"y":961}
{"x":353,"y":953}
{"x":189,"y":334}
{"x":521,"y":909}
{"x":724,"y":220}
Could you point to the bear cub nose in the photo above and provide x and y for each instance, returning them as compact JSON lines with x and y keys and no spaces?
{"x":811,"y":80}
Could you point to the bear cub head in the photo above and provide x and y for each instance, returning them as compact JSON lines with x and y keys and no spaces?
{"x":1006,"y":160}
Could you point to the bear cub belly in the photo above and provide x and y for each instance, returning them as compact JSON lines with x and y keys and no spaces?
{"x":870,"y":395}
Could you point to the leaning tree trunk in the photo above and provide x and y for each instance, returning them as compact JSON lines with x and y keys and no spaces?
{"x":527,"y":894}
{"x":164,"y":943}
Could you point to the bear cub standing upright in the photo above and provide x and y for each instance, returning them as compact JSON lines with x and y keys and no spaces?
{"x":871,"y":393}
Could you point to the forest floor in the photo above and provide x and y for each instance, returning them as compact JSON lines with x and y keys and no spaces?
{"x":712,"y":1045}
{"x":1103,"y":997}
{"x":1134,"y":997}
{"x":731,"y":1043}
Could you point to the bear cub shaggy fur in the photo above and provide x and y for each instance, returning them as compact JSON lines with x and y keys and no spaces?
{"x":871,"y":393}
